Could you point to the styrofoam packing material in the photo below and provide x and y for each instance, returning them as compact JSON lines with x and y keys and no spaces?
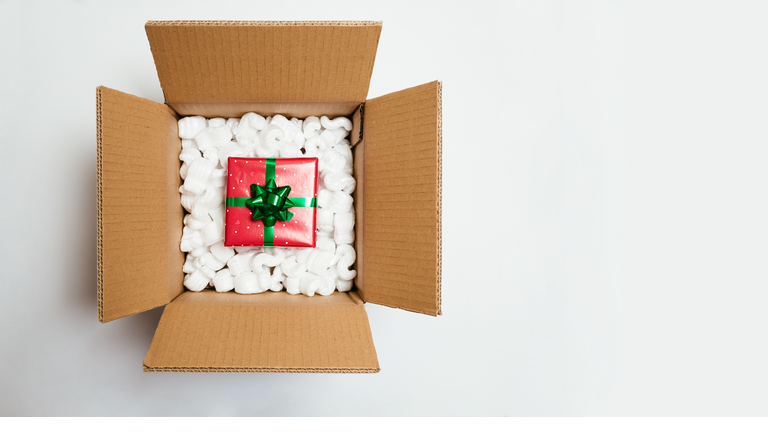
{"x":207,"y":144}
{"x":190,"y":126}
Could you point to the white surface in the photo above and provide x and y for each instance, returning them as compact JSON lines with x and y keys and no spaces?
{"x":624,"y":186}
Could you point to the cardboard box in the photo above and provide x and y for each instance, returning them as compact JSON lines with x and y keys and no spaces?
{"x":226,"y":69}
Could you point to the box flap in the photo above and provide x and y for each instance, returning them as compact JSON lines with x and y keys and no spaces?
{"x":228,"y":68}
{"x":269,"y":332}
{"x":399,"y":240}
{"x":139,"y":211}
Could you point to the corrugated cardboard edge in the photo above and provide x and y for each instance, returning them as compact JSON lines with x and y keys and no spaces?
{"x":356,"y":135}
{"x":263,"y":23}
{"x":439,"y":197}
{"x":99,"y":239}
{"x":262,"y":370}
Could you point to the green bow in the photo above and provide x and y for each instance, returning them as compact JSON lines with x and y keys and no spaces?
{"x":270,"y":203}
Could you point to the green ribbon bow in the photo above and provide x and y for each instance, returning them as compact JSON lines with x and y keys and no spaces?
{"x":270,"y":203}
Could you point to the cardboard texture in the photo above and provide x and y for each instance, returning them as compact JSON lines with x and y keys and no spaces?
{"x":139,"y":217}
{"x":231,"y":68}
{"x":269,"y":332}
{"x":399,"y":211}
{"x":225,"y":69}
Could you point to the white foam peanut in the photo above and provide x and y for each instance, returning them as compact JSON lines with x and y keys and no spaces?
{"x":292,"y":285}
{"x":224,"y":281}
{"x":218,"y":214}
{"x":333,"y":160}
{"x":208,"y":260}
{"x":199,"y":251}
{"x":265,"y":281}
{"x":266,"y":259}
{"x":338,"y":122}
{"x":188,"y":201}
{"x":290,"y":150}
{"x":310,"y":283}
{"x":216,"y":122}
{"x":326,"y":244}
{"x":338,"y":181}
{"x":231,"y":149}
{"x":345,"y":150}
{"x":254,"y":120}
{"x":189,"y":154}
{"x":277,"y":280}
{"x":188,"y":143}
{"x":324,"y":218}
{"x":340,"y":134}
{"x":199,"y":173}
{"x":346,"y":259}
{"x":219,"y":177}
{"x":301,"y":255}
{"x":199,"y":279}
{"x":330,"y":282}
{"x":343,"y":285}
{"x":328,"y":139}
{"x":291,"y":268}
{"x":189,"y":264}
{"x":221,"y":252}
{"x":335,"y":201}
{"x":289,"y":129}
{"x":311,"y":126}
{"x":212,"y":154}
{"x":190,"y":239}
{"x":240,"y":263}
{"x":213,"y":137}
{"x":213,"y":232}
{"x":344,"y":228}
{"x":198,"y":219}
{"x":247,"y":283}
{"x":318,"y":261}
{"x":191,"y":126}
{"x":269,"y":136}
{"x":212,"y":198}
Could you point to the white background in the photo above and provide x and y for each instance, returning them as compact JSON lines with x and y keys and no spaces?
{"x":612,"y":260}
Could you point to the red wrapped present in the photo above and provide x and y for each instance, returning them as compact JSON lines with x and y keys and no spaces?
{"x":271,"y":202}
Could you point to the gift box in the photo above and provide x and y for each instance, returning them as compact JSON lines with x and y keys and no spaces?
{"x":271,"y":202}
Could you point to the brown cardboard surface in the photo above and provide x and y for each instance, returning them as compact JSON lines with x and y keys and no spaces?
{"x":139,"y":214}
{"x":205,"y":66}
{"x":269,"y":332}
{"x":401,"y":234}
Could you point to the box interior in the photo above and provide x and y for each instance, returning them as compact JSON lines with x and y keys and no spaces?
{"x":396,"y":142}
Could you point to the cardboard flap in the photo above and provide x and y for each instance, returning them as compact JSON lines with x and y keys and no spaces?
{"x":139,"y":211}
{"x":227,"y":68}
{"x":269,"y":332}
{"x":399,"y":240}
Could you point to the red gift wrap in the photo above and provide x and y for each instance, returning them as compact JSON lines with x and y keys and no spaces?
{"x":298,"y":173}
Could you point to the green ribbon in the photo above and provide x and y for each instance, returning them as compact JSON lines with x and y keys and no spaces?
{"x":270,"y":203}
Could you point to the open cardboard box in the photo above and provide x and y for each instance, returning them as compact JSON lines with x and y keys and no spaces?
{"x":226,"y":69}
